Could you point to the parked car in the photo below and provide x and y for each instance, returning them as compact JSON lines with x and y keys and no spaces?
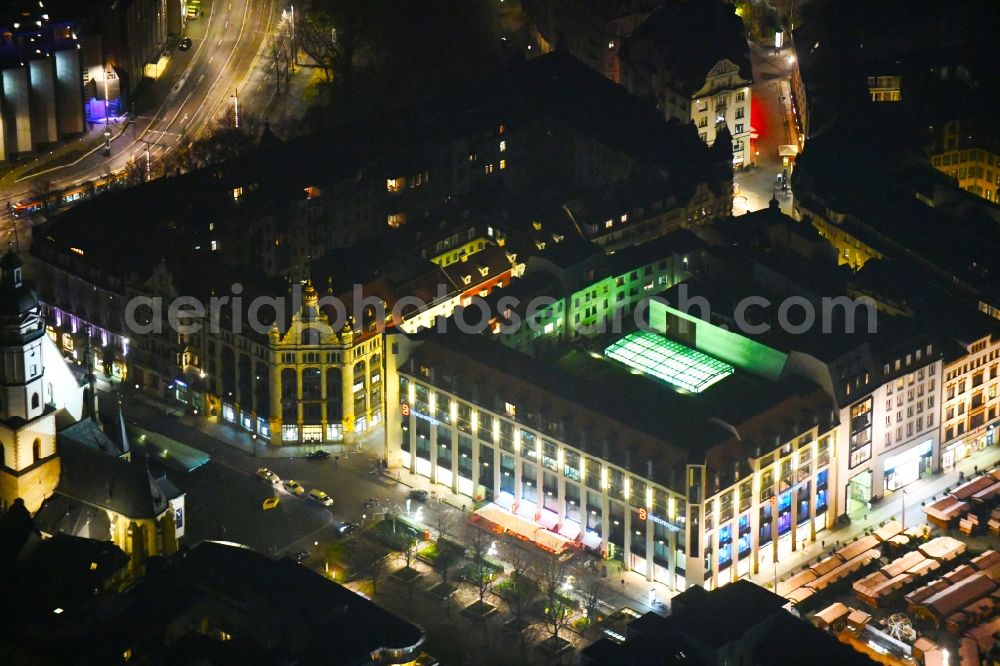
{"x":270,"y":503}
{"x":419,"y":495}
{"x":346,"y":528}
{"x":294,"y":487}
{"x":370,"y":503}
{"x":318,"y":454}
{"x":264,"y":474}
{"x":185,"y":44}
{"x":318,"y":495}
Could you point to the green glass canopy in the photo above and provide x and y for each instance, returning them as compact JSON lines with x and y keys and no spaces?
{"x":669,"y":361}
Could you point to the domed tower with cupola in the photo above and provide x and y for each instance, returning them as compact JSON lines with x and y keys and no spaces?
{"x":30,"y":466}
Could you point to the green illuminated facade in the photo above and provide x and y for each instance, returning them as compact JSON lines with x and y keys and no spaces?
{"x":669,"y":361}
{"x":719,"y":343}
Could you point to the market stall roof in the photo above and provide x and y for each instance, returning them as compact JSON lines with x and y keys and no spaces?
{"x":832,"y":614}
{"x":943,"y":548}
{"x":524,"y":527}
{"x":795,"y":582}
{"x":889,"y":530}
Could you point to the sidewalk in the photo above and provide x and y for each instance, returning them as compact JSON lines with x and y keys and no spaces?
{"x":242,"y":440}
{"x":624,"y":588}
{"x":917,"y":492}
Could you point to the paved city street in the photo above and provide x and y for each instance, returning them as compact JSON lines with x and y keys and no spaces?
{"x":225,"y":494}
{"x":189,"y":95}
{"x":351,"y":478}
{"x":770,"y":112}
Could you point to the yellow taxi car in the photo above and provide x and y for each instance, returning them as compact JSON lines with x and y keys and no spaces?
{"x":270,"y":503}
{"x":294,"y":487}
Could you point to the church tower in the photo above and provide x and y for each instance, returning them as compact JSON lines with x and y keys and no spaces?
{"x":30,"y":467}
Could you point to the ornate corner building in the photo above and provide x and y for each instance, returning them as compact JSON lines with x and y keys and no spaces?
{"x":328,"y":382}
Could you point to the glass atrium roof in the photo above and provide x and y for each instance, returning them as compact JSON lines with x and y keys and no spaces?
{"x":669,"y":361}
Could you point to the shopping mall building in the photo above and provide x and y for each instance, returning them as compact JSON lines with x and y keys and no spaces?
{"x":687,"y":468}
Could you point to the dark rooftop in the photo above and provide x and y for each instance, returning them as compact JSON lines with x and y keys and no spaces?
{"x":692,"y":36}
{"x":102,"y":480}
{"x":739,"y":621}
{"x":641,"y":420}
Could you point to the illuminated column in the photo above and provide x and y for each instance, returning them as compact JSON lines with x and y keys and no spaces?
{"x":368,"y":394}
{"x":793,"y":496}
{"x":517,"y":482}
{"x":16,"y":94}
{"x":560,"y":487}
{"x":627,"y":531}
{"x":275,"y":379}
{"x":812,"y":503}
{"x":714,"y":542}
{"x":43,"y":96}
{"x":755,"y":527}
{"x":648,"y":525}
{"x":672,"y":558}
{"x":496,"y":470}
{"x":539,"y":481}
{"x":605,"y":520}
{"x":322,"y":393}
{"x":69,"y":92}
{"x":454,"y":448}
{"x":298,"y":399}
{"x":347,"y":399}
{"x":412,"y":437}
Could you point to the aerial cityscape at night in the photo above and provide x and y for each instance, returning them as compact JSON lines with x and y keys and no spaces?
{"x":500,"y":332}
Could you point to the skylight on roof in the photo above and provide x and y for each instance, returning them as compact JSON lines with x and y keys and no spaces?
{"x":684,"y":368}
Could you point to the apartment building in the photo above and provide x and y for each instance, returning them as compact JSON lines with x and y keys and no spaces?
{"x":968,"y":152}
{"x":969,"y":406}
{"x":693,"y":61}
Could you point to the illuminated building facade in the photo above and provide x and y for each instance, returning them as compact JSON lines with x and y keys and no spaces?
{"x":327,"y":384}
{"x":969,"y":405}
{"x":584,"y":468}
{"x":691,"y":75}
{"x":968,"y":152}
{"x":850,"y":242}
{"x":583,"y":293}
{"x":885,"y":88}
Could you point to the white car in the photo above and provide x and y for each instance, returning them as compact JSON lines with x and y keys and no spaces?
{"x":319,"y":496}
{"x":264,"y":474}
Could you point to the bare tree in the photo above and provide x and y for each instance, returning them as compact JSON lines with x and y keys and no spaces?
{"x":482,"y":572}
{"x":278,"y":55}
{"x":519,"y":590}
{"x":588,"y":585}
{"x":448,"y":555}
{"x":409,"y":551}
{"x":556,"y":611}
{"x":445,"y":518}
{"x":330,"y":33}
{"x":377,"y":566}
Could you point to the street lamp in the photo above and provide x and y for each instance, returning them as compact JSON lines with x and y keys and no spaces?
{"x":295,"y":51}
{"x":902,"y":514}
